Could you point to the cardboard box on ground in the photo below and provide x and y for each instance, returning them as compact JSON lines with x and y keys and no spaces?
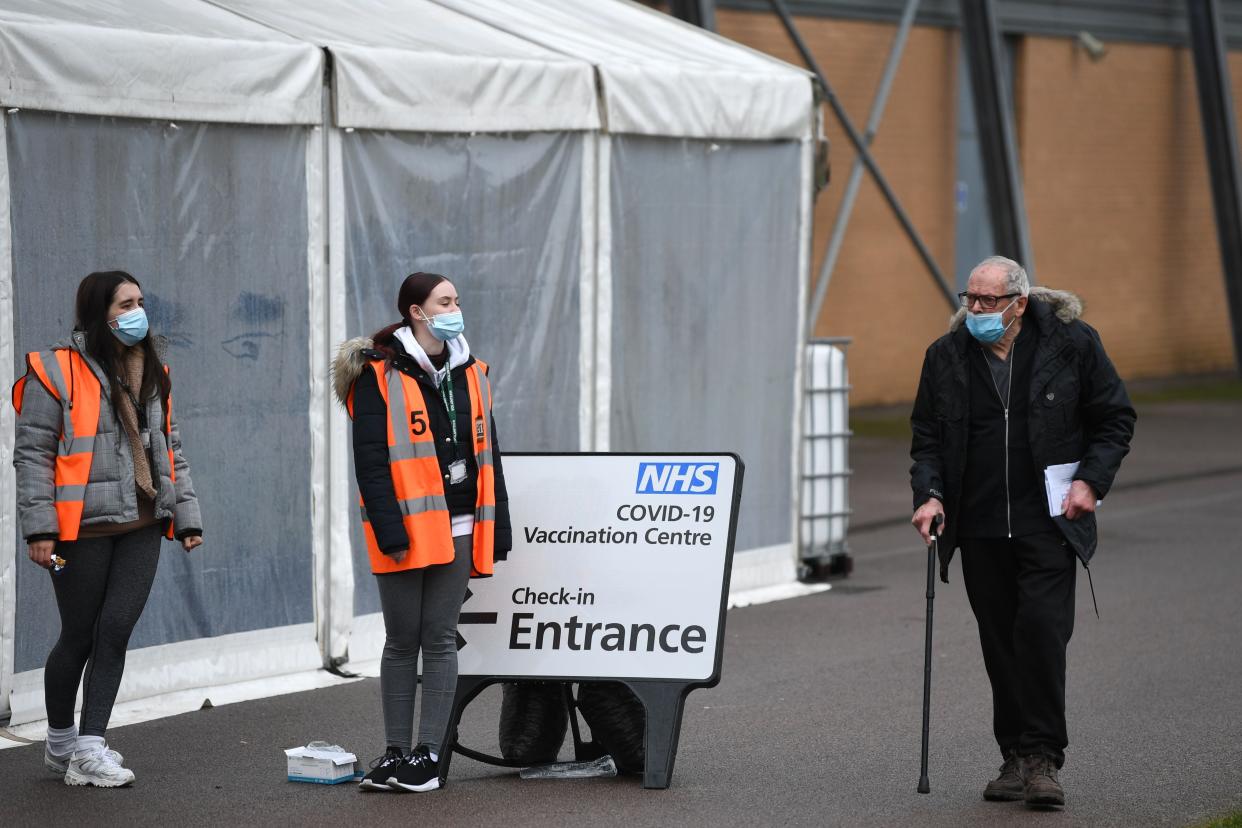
{"x":322,"y":763}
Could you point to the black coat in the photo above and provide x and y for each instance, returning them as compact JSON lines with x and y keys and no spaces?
{"x":370,"y":440}
{"x":1078,"y":411}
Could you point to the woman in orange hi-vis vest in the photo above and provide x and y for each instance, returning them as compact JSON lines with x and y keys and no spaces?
{"x":434,"y":508}
{"x":100,"y":479}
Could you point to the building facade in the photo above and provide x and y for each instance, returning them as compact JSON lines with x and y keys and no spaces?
{"x":1112,"y":157}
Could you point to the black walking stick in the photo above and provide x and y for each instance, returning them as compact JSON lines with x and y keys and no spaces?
{"x":933,"y":552}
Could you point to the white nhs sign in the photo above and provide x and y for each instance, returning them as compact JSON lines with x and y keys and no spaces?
{"x":677,"y":478}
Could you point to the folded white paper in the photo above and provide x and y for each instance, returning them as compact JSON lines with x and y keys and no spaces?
{"x":1057,"y":480}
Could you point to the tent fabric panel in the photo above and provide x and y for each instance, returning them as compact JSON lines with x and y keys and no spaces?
{"x":94,"y":58}
{"x":659,"y":76}
{"x":211,"y":219}
{"x":500,"y":215}
{"x":417,"y":66}
{"x":689,"y":102}
{"x":705,"y":297}
{"x":420,"y":26}
{"x":203,"y":18}
{"x":460,"y":93}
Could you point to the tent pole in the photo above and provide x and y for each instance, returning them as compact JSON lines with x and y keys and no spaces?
{"x":8,"y":476}
{"x":339,"y":568}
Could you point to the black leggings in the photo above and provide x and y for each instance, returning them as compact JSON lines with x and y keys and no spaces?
{"x":421,"y":607}
{"x":100,"y":592}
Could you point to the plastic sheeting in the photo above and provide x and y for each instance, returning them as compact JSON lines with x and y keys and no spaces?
{"x":659,"y":76}
{"x":500,"y":215}
{"x":154,"y":59}
{"x":212,"y":219}
{"x":415,"y":66}
{"x":705,"y":303}
{"x":594,"y":267}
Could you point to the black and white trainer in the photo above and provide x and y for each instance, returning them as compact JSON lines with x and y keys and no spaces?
{"x":381,"y":769}
{"x":417,"y":772}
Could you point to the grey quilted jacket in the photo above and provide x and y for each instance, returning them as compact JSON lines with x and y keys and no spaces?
{"x":111,"y":493}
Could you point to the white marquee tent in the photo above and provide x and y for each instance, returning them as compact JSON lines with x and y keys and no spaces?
{"x":610,"y":190}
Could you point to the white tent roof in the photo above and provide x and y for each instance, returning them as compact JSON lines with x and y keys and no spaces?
{"x":659,"y":75}
{"x":415,"y":65}
{"x":154,"y":59}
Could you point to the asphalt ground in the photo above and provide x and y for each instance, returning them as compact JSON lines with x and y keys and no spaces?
{"x":817,"y":718}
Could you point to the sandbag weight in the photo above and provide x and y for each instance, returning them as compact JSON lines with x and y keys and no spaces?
{"x":533,"y":721}
{"x":618,"y":722}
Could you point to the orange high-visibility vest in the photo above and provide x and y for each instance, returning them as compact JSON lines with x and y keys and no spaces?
{"x":416,"y":476}
{"x":79,"y":398}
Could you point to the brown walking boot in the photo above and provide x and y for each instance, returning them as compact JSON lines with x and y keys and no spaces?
{"x":1007,"y":787}
{"x":1042,"y":788}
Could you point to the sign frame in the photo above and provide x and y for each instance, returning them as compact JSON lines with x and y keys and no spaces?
{"x":663,"y":699}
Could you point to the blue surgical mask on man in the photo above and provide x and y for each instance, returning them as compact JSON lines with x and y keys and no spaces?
{"x":131,"y":328}
{"x":446,"y":326}
{"x":988,"y":327}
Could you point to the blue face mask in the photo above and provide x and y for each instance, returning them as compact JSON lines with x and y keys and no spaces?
{"x":987,"y":327}
{"x":446,"y":326}
{"x":130,"y":328}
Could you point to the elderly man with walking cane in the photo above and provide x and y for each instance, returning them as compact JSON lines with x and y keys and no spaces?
{"x":1020,"y":425}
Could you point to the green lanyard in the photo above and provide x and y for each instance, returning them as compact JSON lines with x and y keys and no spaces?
{"x":449,"y":401}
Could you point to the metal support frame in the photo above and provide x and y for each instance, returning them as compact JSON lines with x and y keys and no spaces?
{"x":701,"y":13}
{"x":663,"y":702}
{"x":1221,"y":140}
{"x":997,"y":143}
{"x":864,"y":154}
{"x":856,"y":171}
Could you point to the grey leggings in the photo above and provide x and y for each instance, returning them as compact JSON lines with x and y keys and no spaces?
{"x":420,"y":610}
{"x":100,"y":593}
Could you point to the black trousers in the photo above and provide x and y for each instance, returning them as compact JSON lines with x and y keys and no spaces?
{"x":1022,"y":594}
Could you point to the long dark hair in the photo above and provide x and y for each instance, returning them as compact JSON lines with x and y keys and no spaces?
{"x":95,"y":296}
{"x":414,"y":291}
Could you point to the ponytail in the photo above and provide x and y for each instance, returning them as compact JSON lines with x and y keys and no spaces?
{"x":383,"y":338}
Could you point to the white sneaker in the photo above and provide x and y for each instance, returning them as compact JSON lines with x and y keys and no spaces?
{"x":59,"y":764}
{"x":98,"y":769}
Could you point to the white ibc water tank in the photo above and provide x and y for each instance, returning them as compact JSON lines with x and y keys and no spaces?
{"x":824,"y":506}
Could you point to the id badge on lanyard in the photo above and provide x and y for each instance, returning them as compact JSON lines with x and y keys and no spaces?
{"x":456,"y":469}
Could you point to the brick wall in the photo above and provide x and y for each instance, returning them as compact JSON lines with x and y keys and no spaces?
{"x":1119,"y":203}
{"x":880,"y":294}
{"x":1116,"y":189}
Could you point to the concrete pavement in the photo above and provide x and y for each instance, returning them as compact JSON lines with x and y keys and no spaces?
{"x":816,"y":720}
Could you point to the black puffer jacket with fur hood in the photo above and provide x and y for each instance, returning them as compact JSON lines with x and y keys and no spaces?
{"x":370,"y":442}
{"x":1078,"y":412}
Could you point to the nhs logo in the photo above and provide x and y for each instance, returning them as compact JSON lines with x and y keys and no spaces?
{"x":677,"y":478}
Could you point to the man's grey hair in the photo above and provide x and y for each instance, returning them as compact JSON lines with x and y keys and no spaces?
{"x":1015,"y":276}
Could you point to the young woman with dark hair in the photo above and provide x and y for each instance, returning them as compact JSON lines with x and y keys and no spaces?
{"x":100,"y":478}
{"x":435,"y":509}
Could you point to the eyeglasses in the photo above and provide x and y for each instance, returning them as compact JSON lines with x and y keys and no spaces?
{"x":988,"y":302}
